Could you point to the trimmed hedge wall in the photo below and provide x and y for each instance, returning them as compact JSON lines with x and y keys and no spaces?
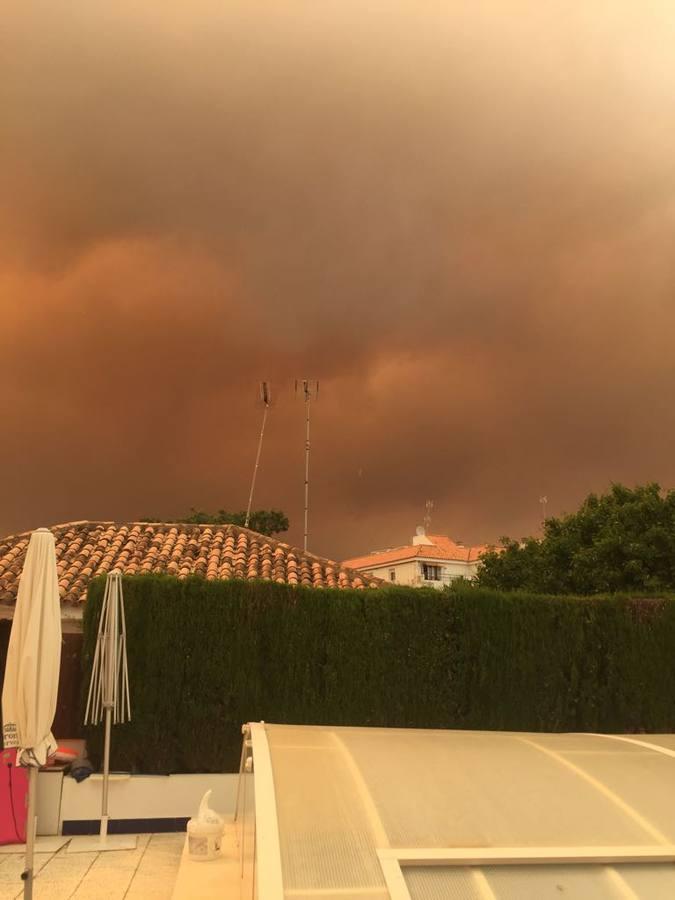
{"x":206,"y":656}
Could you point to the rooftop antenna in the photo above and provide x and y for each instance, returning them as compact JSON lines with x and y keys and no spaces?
{"x":265,"y":399}
{"x":429,"y":505}
{"x":543,"y":501}
{"x":310,"y":391}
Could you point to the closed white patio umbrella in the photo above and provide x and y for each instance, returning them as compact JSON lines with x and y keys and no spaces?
{"x":31,"y":683}
{"x":108,"y":701}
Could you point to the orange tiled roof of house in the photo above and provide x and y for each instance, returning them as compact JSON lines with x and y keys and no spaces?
{"x":87,"y":549}
{"x":441,"y":547}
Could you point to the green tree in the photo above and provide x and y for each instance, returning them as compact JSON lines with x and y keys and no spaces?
{"x":623,"y":540}
{"x":264,"y":521}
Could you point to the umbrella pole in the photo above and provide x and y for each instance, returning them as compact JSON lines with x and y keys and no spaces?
{"x":108,"y":693}
{"x":30,"y":834}
{"x":106,"y":774}
{"x":31,"y":822}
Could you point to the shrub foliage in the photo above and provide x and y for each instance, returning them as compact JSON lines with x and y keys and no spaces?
{"x":206,"y":656}
{"x":264,"y":521}
{"x":623,"y":540}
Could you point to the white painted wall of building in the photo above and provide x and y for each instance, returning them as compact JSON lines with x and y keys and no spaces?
{"x":410,"y":573}
{"x":405,"y":572}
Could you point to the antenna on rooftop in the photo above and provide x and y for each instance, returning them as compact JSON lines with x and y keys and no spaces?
{"x":429,"y":505}
{"x":543,"y":500}
{"x":310,"y":391}
{"x":265,"y":399}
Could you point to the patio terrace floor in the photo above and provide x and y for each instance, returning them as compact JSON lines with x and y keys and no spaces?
{"x":147,"y":873}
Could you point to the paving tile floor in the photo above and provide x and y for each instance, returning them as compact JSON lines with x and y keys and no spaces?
{"x":146,"y":873}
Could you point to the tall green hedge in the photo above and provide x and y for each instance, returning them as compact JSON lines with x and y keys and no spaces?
{"x":206,"y":656}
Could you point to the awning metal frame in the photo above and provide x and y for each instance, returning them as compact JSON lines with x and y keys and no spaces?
{"x":267,"y":851}
{"x":530,"y":856}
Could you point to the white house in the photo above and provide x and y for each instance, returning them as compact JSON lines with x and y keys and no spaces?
{"x":431,"y":560}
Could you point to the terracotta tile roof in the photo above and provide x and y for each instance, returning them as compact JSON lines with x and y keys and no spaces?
{"x":442,"y":547}
{"x":87,"y":549}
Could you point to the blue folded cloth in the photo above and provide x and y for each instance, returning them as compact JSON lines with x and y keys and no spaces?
{"x":80,"y":769}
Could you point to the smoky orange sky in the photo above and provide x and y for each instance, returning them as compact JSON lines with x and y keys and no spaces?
{"x":459,"y":217}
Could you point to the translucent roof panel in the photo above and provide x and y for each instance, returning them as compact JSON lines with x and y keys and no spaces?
{"x":342,"y":794}
{"x":660,"y":740}
{"x":554,"y":882}
{"x":443,"y":883}
{"x":444,"y":789}
{"x":326,"y":838}
{"x":656,"y":882}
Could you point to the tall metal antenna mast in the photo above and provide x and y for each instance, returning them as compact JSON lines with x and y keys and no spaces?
{"x":310,"y":391}
{"x":429,"y":505}
{"x":265,"y":397}
{"x":543,"y":501}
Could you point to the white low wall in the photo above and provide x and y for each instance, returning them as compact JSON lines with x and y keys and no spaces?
{"x":146,"y":796}
{"x":48,"y":802}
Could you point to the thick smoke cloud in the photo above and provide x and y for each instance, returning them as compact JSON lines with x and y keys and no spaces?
{"x":461,"y":220}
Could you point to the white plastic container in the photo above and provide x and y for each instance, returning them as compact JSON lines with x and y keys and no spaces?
{"x":205,"y":832}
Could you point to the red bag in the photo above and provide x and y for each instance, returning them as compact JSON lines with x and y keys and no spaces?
{"x":13,"y":793}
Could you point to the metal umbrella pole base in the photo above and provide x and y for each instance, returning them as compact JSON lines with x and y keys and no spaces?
{"x":96,"y":843}
{"x":104,"y":841}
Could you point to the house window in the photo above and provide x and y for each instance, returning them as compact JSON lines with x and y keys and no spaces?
{"x":431,"y":573}
{"x":392,"y":574}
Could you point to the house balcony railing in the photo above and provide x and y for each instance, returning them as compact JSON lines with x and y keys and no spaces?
{"x":440,"y":582}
